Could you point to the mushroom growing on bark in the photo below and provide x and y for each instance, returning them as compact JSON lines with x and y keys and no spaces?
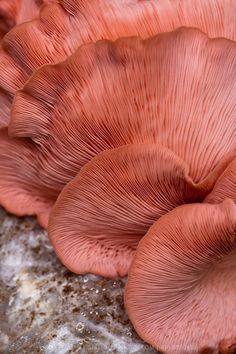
{"x":176,"y":89}
{"x":101,"y":215}
{"x":181,"y":289}
{"x":63,"y":26}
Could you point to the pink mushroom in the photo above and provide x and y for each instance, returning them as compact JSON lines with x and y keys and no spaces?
{"x":100,"y":216}
{"x":181,"y":289}
{"x":111,"y":94}
{"x":63,"y":26}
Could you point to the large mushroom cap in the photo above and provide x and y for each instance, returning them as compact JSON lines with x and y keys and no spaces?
{"x":101,"y":215}
{"x":181,"y":289}
{"x":64,"y":25}
{"x":176,"y":89}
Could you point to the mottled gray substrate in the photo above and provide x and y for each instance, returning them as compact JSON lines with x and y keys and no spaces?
{"x":46,"y":309}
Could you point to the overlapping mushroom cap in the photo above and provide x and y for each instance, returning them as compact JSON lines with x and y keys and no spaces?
{"x":175,"y":89}
{"x":103,"y":213}
{"x":12,"y":13}
{"x":181,"y":289}
{"x":63,"y":26}
{"x":164,"y":108}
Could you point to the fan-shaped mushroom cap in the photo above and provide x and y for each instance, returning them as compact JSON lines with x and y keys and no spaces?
{"x":181,"y":289}
{"x":111,"y":94}
{"x":62,"y":27}
{"x":225,"y":185}
{"x":102,"y":214}
{"x":177,"y":89}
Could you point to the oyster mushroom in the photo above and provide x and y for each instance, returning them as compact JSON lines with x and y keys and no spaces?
{"x":180,"y":294}
{"x":63,"y":26}
{"x":101,"y":215}
{"x":111,"y":94}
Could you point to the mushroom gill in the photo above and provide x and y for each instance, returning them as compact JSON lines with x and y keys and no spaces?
{"x":13,"y":12}
{"x":63,"y":26}
{"x":102,"y":214}
{"x":177,"y":89}
{"x":181,"y":289}
{"x":225,"y":186}
{"x":24,"y":188}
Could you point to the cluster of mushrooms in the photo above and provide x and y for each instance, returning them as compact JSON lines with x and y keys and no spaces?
{"x":118,"y":131}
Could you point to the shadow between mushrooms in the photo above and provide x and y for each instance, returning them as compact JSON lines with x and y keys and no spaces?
{"x":13,"y":12}
{"x":175,"y":89}
{"x":101,"y":215}
{"x":63,"y":26}
{"x":181,"y":289}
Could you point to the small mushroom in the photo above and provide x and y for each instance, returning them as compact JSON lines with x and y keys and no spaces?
{"x":110,"y":94}
{"x":101,"y":215}
{"x":181,"y":289}
{"x":63,"y":26}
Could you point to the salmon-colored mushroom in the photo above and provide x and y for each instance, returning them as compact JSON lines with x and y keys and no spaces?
{"x":181,"y":289}
{"x":63,"y":26}
{"x":101,"y":215}
{"x":176,"y":89}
